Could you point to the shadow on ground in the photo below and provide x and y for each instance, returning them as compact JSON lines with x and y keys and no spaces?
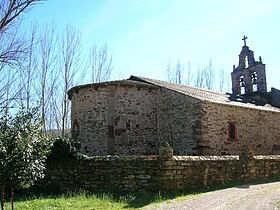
{"x":145,"y":198}
{"x":139,"y":199}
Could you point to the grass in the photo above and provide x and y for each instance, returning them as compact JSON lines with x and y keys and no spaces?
{"x":114,"y":200}
{"x":80,"y":200}
{"x":88,"y":201}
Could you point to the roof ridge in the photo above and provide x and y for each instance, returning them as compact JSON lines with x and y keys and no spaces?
{"x":183,"y":85}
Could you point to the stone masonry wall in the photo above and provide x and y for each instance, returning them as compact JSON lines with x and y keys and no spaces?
{"x":135,"y":128}
{"x":135,"y":173}
{"x":89,"y":110}
{"x":179,"y":122}
{"x":116,"y":119}
{"x":128,"y":119}
{"x":258,"y":129}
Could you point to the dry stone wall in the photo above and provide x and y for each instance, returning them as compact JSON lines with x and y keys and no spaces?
{"x":258,"y":129}
{"x":133,"y":173}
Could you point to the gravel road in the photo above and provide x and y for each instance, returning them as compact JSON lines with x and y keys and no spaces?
{"x":259,"y":196}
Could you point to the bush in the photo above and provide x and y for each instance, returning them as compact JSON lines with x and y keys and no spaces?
{"x":63,"y":148}
{"x":23,"y":150}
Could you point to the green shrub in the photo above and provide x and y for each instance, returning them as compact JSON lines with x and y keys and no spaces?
{"x":63,"y":148}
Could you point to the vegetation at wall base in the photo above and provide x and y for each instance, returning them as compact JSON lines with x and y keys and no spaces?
{"x":114,"y":200}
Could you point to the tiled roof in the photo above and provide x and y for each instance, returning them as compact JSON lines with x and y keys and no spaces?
{"x":207,"y":95}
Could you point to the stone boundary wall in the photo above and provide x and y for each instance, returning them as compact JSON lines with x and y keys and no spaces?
{"x":160,"y":172}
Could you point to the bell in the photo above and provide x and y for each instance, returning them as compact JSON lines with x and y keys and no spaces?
{"x":242,"y":83}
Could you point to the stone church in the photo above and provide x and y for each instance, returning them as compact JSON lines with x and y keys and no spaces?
{"x":136,"y":116}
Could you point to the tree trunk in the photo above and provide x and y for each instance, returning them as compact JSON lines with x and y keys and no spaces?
{"x":2,"y":198}
{"x":12,"y":197}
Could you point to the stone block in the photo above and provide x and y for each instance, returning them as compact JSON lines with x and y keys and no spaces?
{"x":144,"y":176}
{"x":169,"y":163}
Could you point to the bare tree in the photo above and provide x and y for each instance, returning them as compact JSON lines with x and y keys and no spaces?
{"x":12,"y":54}
{"x":179,"y":71}
{"x":8,"y":90}
{"x":221,"y":79}
{"x":203,"y":77}
{"x":10,"y":10}
{"x":199,"y":78}
{"x":175,"y":73}
{"x":70,"y":62}
{"x":47,"y":57}
{"x":189,"y":74}
{"x":28,"y":70}
{"x":100,"y":63}
{"x":169,"y":72}
{"x":13,"y":48}
{"x":209,"y":75}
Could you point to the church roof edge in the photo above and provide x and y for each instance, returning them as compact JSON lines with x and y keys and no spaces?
{"x":107,"y":83}
{"x":209,"y":95}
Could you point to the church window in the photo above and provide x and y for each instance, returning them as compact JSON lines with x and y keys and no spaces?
{"x":246,"y":62}
{"x":242,"y":85}
{"x":75,"y":130}
{"x":232,"y":131}
{"x":254,"y":81}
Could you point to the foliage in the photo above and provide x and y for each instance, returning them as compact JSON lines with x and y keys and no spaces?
{"x":278,"y":204}
{"x":63,"y":148}
{"x":23,"y":149}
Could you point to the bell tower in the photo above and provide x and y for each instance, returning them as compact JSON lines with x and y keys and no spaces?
{"x":250,"y":75}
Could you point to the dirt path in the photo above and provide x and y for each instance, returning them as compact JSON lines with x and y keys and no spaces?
{"x":261,"y":196}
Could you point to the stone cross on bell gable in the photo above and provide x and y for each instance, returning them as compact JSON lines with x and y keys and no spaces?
{"x":244,"y":39}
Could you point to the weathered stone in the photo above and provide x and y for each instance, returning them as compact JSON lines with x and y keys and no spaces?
{"x":149,"y":172}
{"x":115,"y":109}
{"x":144,"y":176}
{"x":166,"y":153}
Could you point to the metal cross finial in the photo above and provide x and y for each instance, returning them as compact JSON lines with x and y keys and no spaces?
{"x":244,"y":39}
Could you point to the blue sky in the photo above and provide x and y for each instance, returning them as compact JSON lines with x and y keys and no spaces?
{"x":144,"y":35}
